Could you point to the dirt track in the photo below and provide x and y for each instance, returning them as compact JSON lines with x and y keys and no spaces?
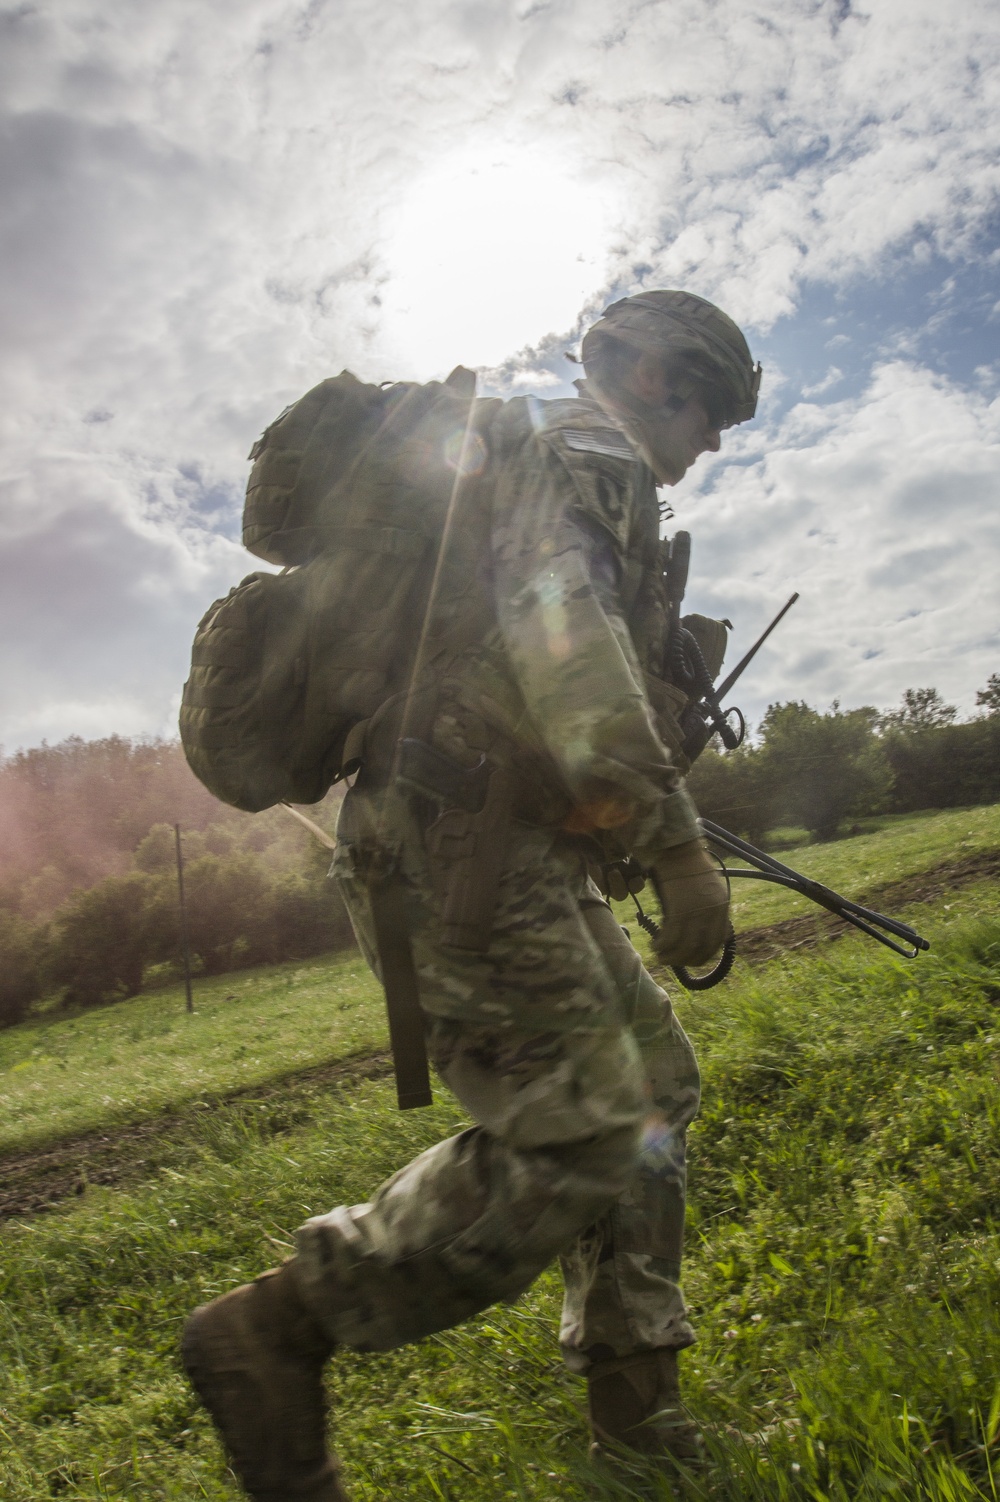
{"x":760,"y":944}
{"x":37,"y":1180}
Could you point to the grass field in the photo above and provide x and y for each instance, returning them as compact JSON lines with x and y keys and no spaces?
{"x":853,"y":866}
{"x":119,"y":1063}
{"x":122,"y":1062}
{"x":843,"y":1267}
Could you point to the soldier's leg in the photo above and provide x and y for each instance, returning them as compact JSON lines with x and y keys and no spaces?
{"x":555,"y":1081}
{"x":545,"y":1065}
{"x":622,"y":1275}
{"x":477,"y":1218}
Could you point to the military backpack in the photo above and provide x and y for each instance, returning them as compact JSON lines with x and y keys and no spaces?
{"x":350,"y":491}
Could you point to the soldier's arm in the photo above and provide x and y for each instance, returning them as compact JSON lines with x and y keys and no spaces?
{"x":559,"y":541}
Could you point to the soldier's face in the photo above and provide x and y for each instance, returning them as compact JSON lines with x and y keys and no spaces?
{"x":673,"y":440}
{"x":682,"y":438}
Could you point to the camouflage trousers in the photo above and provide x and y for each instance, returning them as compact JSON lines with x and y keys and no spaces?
{"x":578,"y":1147}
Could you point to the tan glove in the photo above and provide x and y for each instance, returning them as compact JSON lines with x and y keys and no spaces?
{"x":695,"y":903}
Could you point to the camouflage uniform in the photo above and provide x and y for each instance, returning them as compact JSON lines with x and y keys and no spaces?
{"x":560,"y":1046}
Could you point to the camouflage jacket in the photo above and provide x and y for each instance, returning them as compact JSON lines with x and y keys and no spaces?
{"x":565,"y":682}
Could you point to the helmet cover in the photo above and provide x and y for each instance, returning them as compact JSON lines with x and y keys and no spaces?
{"x":699,"y":345}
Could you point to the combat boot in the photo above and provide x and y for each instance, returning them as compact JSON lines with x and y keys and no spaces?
{"x":255,"y":1357}
{"x":634,"y":1403}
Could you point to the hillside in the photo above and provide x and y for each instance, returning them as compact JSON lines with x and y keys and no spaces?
{"x":88,"y":884}
{"x":843,"y":1248}
{"x":109,"y":1065}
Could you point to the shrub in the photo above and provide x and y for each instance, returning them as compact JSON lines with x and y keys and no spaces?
{"x":307,"y":917}
{"x":945,"y":766}
{"x":730,"y":789}
{"x":23,"y":951}
{"x":104,"y":939}
{"x":822,"y":768}
{"x":227,"y":903}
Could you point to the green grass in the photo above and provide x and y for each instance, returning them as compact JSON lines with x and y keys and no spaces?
{"x":843,"y":1268}
{"x":119,"y":1063}
{"x":905,"y":847}
{"x":137,"y":1058}
{"x":851,"y":866}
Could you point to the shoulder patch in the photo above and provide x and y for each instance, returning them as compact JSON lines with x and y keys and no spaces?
{"x":605,"y":441}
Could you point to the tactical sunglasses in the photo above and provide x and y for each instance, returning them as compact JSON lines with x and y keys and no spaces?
{"x":718,"y":407}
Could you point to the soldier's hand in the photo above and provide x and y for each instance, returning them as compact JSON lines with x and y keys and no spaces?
{"x":695,"y":902}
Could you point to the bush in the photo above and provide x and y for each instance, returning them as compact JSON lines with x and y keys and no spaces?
{"x":23,"y":952}
{"x":819,"y":769}
{"x":945,"y":766}
{"x":228,"y":911}
{"x":307,"y":917}
{"x":729,"y":788}
{"x":810,"y":769}
{"x":104,"y":939}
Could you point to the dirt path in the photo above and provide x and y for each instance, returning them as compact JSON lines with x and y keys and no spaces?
{"x":760,"y":944}
{"x":37,"y":1180}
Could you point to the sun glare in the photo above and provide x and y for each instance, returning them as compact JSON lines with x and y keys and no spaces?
{"x":488,"y":254}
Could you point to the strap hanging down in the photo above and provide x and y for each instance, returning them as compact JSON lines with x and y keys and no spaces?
{"x":402,"y":993}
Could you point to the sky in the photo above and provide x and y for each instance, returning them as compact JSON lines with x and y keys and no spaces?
{"x":205,"y":209}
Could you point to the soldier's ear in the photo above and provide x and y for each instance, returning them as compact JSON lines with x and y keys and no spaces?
{"x":648,"y":381}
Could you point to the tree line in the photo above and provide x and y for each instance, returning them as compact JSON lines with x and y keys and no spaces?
{"x":88,"y":881}
{"x":815,"y":770}
{"x":88,"y":886}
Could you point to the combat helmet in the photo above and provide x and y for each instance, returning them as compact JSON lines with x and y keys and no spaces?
{"x":699,"y":344}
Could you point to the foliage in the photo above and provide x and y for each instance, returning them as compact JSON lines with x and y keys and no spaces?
{"x":806,"y":768}
{"x":77,"y":816}
{"x":115,"y":1063}
{"x":102,"y":942}
{"x":842,"y":1264}
{"x":80,"y":808}
{"x":257,"y":884}
{"x":227,"y":911}
{"x":945,"y":766}
{"x":156,"y":852}
{"x":23,"y":950}
{"x":305,"y":917}
{"x":730,"y":790}
{"x":989,"y":697}
{"x":74,"y":813}
{"x":921,"y":709}
{"x":816,"y":770}
{"x":822,"y":768}
{"x":104,"y":939}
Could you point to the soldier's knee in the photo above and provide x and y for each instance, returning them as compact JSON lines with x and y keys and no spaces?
{"x":607,"y":1164}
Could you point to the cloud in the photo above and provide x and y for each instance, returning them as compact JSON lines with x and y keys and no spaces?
{"x":99,"y":605}
{"x":833,"y":377}
{"x":884,"y":512}
{"x":206,"y":209}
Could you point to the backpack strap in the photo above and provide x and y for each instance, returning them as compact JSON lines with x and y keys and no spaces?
{"x":402,"y":991}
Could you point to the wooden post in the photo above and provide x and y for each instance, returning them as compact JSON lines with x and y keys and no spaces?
{"x":185,"y":947}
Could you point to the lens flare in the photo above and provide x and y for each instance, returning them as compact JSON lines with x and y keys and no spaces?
{"x":465,"y":452}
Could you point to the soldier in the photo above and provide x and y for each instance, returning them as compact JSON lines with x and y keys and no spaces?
{"x":545,"y":1025}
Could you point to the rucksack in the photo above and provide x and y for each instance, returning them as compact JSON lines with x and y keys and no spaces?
{"x":349,"y":492}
